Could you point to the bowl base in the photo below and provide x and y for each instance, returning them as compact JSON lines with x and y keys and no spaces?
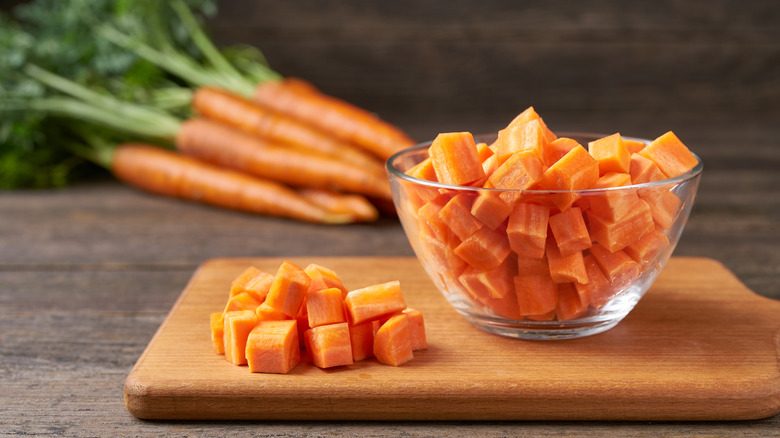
{"x":542,"y":331}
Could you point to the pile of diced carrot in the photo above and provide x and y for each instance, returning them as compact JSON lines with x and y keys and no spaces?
{"x":271,"y":321}
{"x":552,"y":255}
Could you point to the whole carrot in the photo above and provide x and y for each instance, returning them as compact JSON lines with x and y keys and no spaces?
{"x":332,"y":115}
{"x":167,"y":173}
{"x":224,"y":146}
{"x":350,"y":204}
{"x":235,"y":110}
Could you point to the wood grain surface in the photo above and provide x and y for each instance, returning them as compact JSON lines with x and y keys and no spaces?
{"x":699,"y":346}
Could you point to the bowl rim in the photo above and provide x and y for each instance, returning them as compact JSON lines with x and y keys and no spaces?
{"x":394,"y":172}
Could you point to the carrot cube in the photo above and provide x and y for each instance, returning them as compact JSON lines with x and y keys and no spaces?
{"x":536,"y":294}
{"x":486,"y":249}
{"x":242,"y":301}
{"x":264,"y":312}
{"x":612,"y":204}
{"x":645,"y":250}
{"x":217,"y":332}
{"x":520,"y":171}
{"x":455,"y":158}
{"x":520,"y":137}
{"x":611,"y":154}
{"x":417,"y":329}
{"x":633,"y":146}
{"x":565,"y":268}
{"x":323,"y":278}
{"x":532,"y":266}
{"x":527,"y":229}
{"x":393,"y":341}
{"x":428,"y":217}
{"x":597,"y":291}
{"x":423,"y":170}
{"x":670,"y":154}
{"x":440,"y":253}
{"x":619,"y":268}
{"x":616,"y":235}
{"x":644,"y":170}
{"x":236,"y":330}
{"x":288,"y":289}
{"x":569,"y":230}
{"x":664,"y":205}
{"x":238,"y":284}
{"x":457,"y":215}
{"x":490,"y":209}
{"x":273,"y":347}
{"x":329,"y":345}
{"x":375,"y":301}
{"x":361,"y":337}
{"x":570,"y":305}
{"x":325,"y":306}
{"x":494,"y":283}
{"x":557,"y":149}
{"x":576,"y":170}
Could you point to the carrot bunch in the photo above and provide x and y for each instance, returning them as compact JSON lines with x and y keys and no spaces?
{"x":272,"y":321}
{"x":239,"y":136}
{"x":540,"y":250}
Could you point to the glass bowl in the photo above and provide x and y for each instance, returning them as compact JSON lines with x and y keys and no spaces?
{"x":496,"y":289}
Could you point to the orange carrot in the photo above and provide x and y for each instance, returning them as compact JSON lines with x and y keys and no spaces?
{"x":536,"y":294}
{"x":569,"y":230}
{"x":455,"y":158}
{"x":519,"y":171}
{"x":670,"y":154}
{"x":570,"y":305}
{"x":288,"y":289}
{"x":557,"y":149}
{"x":527,"y":229}
{"x":324,"y":306}
{"x":530,"y":114}
{"x":565,"y":268}
{"x":217,"y":332}
{"x":235,"y":110}
{"x":334,"y":116}
{"x":361,"y":337}
{"x":237,"y":326}
{"x":486,"y":249}
{"x":254,"y":282}
{"x":490,"y":209}
{"x":374,"y":301}
{"x":219,"y":144}
{"x":644,"y":170}
{"x":239,"y":283}
{"x":619,"y":268}
{"x":616,"y":235}
{"x":645,"y":250}
{"x":611,"y":154}
{"x":457,"y":215}
{"x":354,"y":206}
{"x":324,"y":278}
{"x":416,"y":329}
{"x":633,"y":146}
{"x":664,"y":204}
{"x":242,"y":301}
{"x":393,"y":341}
{"x":521,"y":137}
{"x":166,"y":173}
{"x":329,"y":345}
{"x":491,"y":284}
{"x":273,"y":347}
{"x":264,"y":312}
{"x":611,"y":205}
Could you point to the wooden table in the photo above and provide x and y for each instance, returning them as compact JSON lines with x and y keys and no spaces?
{"x":87,"y":275}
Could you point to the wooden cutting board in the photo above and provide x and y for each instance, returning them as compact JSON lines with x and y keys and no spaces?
{"x":699,"y":346}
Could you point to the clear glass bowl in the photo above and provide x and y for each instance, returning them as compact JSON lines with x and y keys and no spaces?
{"x":494,"y":311}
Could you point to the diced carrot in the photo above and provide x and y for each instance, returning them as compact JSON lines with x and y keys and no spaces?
{"x":323,"y":278}
{"x":549,"y":316}
{"x":325,"y":306}
{"x":664,"y":205}
{"x":440,"y":253}
{"x":423,"y":170}
{"x":532,"y":266}
{"x":484,"y":152}
{"x":633,"y":146}
{"x":576,"y":170}
{"x":597,"y":291}
{"x":611,"y":154}
{"x":619,"y":268}
{"x":527,"y":229}
{"x":329,"y":345}
{"x":288,"y":289}
{"x":670,"y":154}
{"x":645,"y":250}
{"x":570,"y":305}
{"x":611,"y":205}
{"x":238,"y":284}
{"x":217,"y":332}
{"x":302,"y":318}
{"x":569,"y":230}
{"x":428,"y":216}
{"x":237,"y":326}
{"x":361,"y":337}
{"x":490,"y":164}
{"x":242,"y":301}
{"x":522,"y":137}
{"x":457,"y":215}
{"x":490,"y":209}
{"x":455,"y":158}
{"x":417,"y":329}
{"x":374,"y":301}
{"x":565,"y":268}
{"x":273,"y":347}
{"x":493,"y":283}
{"x":616,"y":235}
{"x":555,"y":150}
{"x":486,"y":249}
{"x":530,"y":114}
{"x":644,"y":170}
{"x":264,"y":312}
{"x":536,"y":294}
{"x":392,"y":341}
{"x":519,"y":171}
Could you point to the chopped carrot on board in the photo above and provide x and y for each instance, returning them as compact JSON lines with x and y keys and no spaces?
{"x":273,"y":347}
